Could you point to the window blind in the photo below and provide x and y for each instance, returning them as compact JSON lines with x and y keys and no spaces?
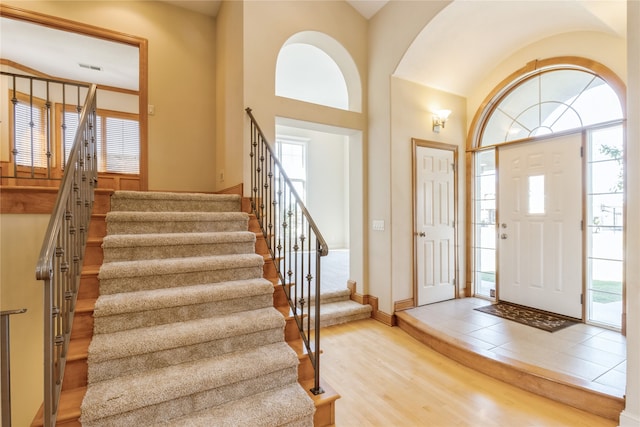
{"x":30,"y":135}
{"x":118,"y":142}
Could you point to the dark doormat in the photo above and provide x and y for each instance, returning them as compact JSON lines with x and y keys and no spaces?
{"x":529,"y":316}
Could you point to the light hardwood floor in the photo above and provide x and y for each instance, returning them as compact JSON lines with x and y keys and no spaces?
{"x":387,"y":378}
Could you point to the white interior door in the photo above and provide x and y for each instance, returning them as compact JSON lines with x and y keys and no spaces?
{"x":539,"y":231}
{"x":435,"y":227}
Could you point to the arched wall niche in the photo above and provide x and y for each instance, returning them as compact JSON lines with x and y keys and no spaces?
{"x":336,"y":53}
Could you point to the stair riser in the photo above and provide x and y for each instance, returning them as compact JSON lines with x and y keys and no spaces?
{"x":101,"y":204}
{"x":130,"y":284}
{"x":178,"y":251}
{"x":93,"y":254}
{"x":82,"y":325}
{"x":291,"y":331}
{"x":254,"y":226}
{"x":325,"y":415}
{"x":89,"y":286}
{"x":269,"y":269}
{"x":151,"y":227}
{"x":279,"y":297}
{"x":97,"y":227}
{"x":173,"y":227}
{"x":168,"y":315}
{"x":305,"y":369}
{"x":101,"y":371}
{"x":261,"y":245}
{"x":75,"y":374}
{"x":198,"y":401}
{"x":337,"y":320}
{"x":168,"y":205}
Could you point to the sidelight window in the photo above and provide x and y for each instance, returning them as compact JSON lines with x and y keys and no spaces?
{"x":556,"y":98}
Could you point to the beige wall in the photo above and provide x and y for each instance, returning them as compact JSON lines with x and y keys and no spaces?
{"x":391,"y":31}
{"x":230,"y":115}
{"x":20,"y":241}
{"x":181,"y":84}
{"x":411,"y":116}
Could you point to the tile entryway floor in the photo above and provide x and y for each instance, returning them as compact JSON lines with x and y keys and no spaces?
{"x":588,"y":352}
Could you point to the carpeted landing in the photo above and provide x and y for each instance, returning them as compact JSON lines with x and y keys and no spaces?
{"x":185,"y":332}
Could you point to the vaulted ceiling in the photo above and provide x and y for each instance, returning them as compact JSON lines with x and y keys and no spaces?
{"x":467,"y":36}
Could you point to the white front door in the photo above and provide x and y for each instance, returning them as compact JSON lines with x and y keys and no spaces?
{"x":434,"y":224}
{"x":539,"y":230}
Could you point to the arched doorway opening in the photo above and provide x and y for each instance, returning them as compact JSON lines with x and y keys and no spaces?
{"x":326,"y":160}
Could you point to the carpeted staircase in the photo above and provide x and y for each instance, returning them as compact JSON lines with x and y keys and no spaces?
{"x":185,"y":331}
{"x":336,"y":307}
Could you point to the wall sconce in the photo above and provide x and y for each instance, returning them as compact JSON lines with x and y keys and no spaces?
{"x":439,"y":119}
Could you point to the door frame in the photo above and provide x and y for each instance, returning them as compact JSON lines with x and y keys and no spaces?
{"x":416,"y":142}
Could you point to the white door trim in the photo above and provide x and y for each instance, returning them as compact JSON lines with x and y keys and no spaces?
{"x":438,"y":146}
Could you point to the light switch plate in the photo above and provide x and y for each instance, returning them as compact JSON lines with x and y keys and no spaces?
{"x":378,"y":224}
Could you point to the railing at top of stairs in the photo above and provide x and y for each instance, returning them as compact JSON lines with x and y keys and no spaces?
{"x":62,"y":253}
{"x":295,"y":243}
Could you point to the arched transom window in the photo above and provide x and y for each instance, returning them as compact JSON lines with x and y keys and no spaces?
{"x":549,"y":102}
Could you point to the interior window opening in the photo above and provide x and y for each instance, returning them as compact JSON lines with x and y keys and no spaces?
{"x":293,"y":157}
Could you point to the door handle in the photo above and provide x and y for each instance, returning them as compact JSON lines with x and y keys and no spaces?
{"x":503,"y":236}
{"x":421,"y":234}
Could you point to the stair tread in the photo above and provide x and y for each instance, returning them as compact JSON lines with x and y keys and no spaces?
{"x":89,"y":270}
{"x":151,"y":339}
{"x":274,"y":407}
{"x":329,"y":395}
{"x":343,"y":308}
{"x":175,"y":265}
{"x":166,"y":239}
{"x":167,"y":195}
{"x":108,"y":305}
{"x":128,"y":393}
{"x":85,"y":305}
{"x":144,"y":216}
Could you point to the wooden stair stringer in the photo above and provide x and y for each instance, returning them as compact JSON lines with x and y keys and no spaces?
{"x":324,"y":402}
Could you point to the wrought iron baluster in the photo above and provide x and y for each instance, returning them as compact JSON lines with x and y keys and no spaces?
{"x":48,"y":134}
{"x":288,"y":225}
